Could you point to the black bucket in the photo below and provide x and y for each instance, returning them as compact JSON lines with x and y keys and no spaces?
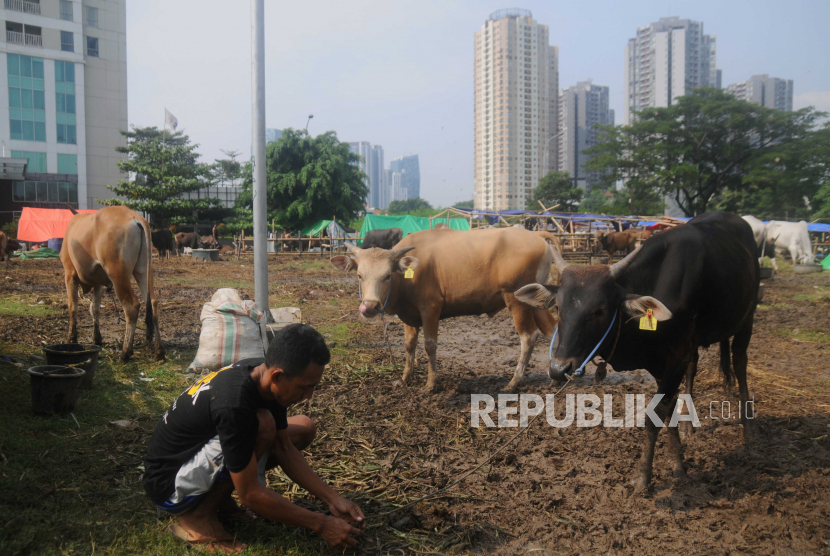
{"x":83,"y":356}
{"x":55,"y":388}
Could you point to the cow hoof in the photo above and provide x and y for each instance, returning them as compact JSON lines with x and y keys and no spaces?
{"x":430,"y":388}
{"x":511,"y":388}
{"x":160,"y":356}
{"x":685,"y":429}
{"x":678,"y":472}
{"x":641,"y":485}
{"x":125,"y":357}
{"x":98,"y":341}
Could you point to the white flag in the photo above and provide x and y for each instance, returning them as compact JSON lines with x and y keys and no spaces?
{"x":170,"y":119}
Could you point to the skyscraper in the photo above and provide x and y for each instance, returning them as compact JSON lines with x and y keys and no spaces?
{"x":771,"y":92}
{"x":272,"y":134}
{"x":667,"y":60}
{"x":63,"y":99}
{"x":371,"y":164}
{"x":516,"y":95}
{"x":410,"y":171}
{"x":581,"y":108}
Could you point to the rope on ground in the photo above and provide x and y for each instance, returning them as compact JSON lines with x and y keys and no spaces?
{"x":441,"y":491}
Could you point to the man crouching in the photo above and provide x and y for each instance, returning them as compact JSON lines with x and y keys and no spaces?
{"x":223,"y":432}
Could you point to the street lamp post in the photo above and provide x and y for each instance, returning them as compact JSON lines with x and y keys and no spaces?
{"x":308,"y":120}
{"x":552,"y":137}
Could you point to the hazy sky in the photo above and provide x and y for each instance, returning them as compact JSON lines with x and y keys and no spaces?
{"x":400,"y":74}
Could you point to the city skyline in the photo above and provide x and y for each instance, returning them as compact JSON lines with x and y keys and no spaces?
{"x":414,"y":95}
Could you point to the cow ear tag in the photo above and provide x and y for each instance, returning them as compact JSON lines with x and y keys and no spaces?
{"x":648,"y":322}
{"x":409,"y":272}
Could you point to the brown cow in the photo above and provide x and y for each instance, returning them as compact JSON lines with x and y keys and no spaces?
{"x":455,"y":273}
{"x":185,"y":239}
{"x":104,"y":249}
{"x":620,"y":241}
{"x":227,"y":250}
{"x":3,"y":255}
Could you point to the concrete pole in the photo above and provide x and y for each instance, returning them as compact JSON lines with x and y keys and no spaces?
{"x":258,"y":131}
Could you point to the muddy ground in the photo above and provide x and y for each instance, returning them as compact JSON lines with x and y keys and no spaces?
{"x":556,"y":491}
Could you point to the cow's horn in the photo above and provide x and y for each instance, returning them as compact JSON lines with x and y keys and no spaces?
{"x":353,"y":249}
{"x":558,"y":260}
{"x":398,"y":253}
{"x":620,"y":266}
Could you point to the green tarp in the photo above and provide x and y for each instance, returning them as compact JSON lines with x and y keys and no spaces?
{"x":409,"y":224}
{"x":315,"y":228}
{"x":42,"y":253}
{"x":825,"y":264}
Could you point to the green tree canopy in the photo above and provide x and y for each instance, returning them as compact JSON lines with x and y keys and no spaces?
{"x":556,"y":188}
{"x":409,"y":205}
{"x":308,"y":179}
{"x":707,"y":144}
{"x":466,"y":204}
{"x":161,"y":168}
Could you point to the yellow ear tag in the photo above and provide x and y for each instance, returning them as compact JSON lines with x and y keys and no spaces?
{"x":648,"y":322}
{"x":409,"y":272}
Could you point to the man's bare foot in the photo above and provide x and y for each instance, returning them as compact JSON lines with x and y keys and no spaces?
{"x":200,"y":526}
{"x":223,"y":545}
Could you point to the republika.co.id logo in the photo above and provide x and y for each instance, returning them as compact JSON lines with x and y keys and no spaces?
{"x":587,"y":410}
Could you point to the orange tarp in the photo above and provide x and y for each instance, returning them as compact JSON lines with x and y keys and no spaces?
{"x":39,"y":224}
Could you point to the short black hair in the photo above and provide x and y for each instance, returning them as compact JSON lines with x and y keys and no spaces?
{"x":294,"y":347}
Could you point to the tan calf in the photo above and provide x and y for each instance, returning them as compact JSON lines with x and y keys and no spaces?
{"x":454,"y":273}
{"x":104,"y":249}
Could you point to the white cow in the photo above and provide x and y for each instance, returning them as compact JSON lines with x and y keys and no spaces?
{"x":759,"y":230}
{"x":790,"y":236}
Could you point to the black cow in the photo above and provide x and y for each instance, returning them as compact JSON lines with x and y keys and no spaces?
{"x":163,"y":241}
{"x":385,"y":239}
{"x":700,"y":282}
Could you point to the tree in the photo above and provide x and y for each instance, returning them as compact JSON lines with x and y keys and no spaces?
{"x":308,"y":179}
{"x":408,"y":205}
{"x":160,"y":171}
{"x":790,"y":179}
{"x":466,"y":204}
{"x":228,"y":170}
{"x":556,"y":188}
{"x":706,"y":144}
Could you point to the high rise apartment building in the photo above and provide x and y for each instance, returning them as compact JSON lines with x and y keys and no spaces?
{"x":63,"y":99}
{"x":371,"y":164}
{"x":666,"y":60}
{"x":764,"y":90}
{"x":272,"y":134}
{"x":516,"y":96}
{"x":410,"y":170}
{"x":582,"y":108}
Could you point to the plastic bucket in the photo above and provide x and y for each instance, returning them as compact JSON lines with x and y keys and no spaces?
{"x":766,"y":273}
{"x":83,"y":356}
{"x":55,"y":243}
{"x":55,"y":388}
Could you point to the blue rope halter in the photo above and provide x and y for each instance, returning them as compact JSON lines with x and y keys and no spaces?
{"x":382,"y":309}
{"x":581,"y":368}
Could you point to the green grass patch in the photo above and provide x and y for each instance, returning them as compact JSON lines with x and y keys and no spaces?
{"x":27,"y":306}
{"x":813,"y":336}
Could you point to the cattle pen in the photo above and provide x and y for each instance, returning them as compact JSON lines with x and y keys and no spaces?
{"x":576,"y":232}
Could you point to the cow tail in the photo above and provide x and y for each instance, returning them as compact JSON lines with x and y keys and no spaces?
{"x":148,"y":242}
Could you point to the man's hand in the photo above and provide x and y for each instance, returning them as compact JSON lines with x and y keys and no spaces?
{"x":338,"y":533}
{"x":347,"y":510}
